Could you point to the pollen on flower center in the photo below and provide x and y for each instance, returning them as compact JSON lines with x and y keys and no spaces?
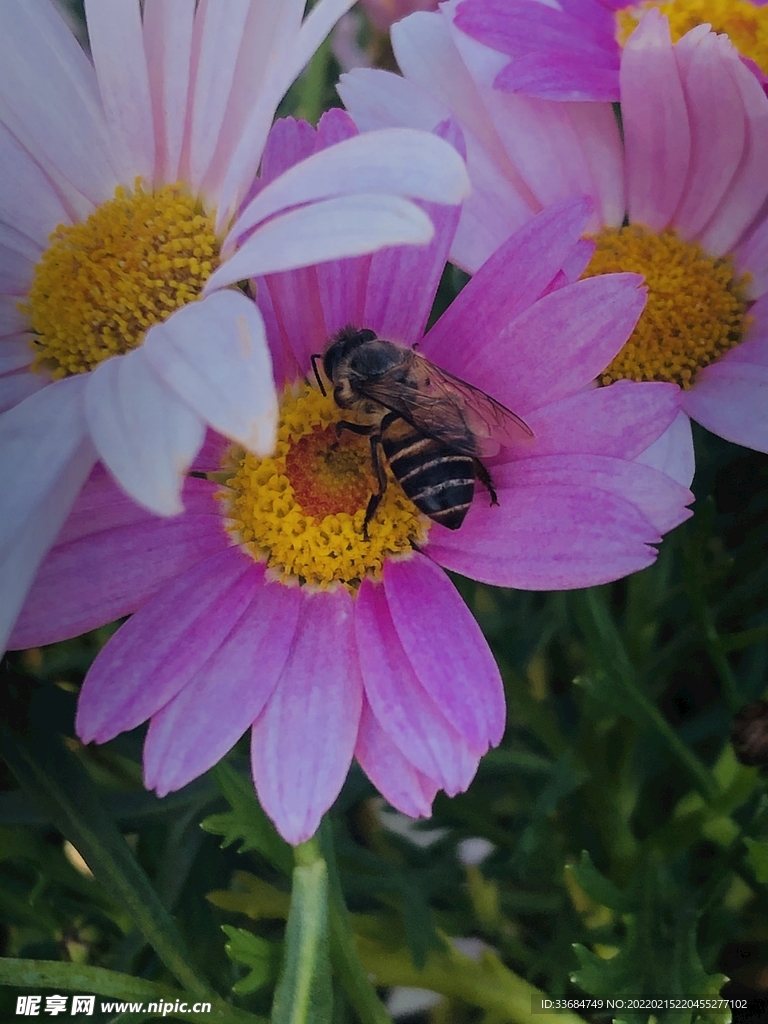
{"x":742,"y":20}
{"x":302,"y":510}
{"x":102,"y":283}
{"x":696,"y":309}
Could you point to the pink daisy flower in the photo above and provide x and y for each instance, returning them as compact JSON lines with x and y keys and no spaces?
{"x":571,"y":50}
{"x":126,"y":227}
{"x":681,"y":199}
{"x":264,"y":605}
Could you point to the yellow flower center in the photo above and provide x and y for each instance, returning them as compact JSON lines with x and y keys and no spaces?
{"x":696,"y":307}
{"x":102,"y":283}
{"x":746,"y":24}
{"x":302,"y":510}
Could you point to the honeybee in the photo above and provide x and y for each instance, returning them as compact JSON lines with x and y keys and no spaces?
{"x":432,"y":427}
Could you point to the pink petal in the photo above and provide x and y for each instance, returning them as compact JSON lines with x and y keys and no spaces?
{"x":748,"y":190}
{"x":327,"y":230}
{"x":55,"y":116}
{"x":562,"y":75}
{"x":205,"y":719}
{"x":752,"y":258}
{"x":45,"y":458}
{"x":289,"y":142}
{"x":411,"y":719}
{"x":111,"y":558}
{"x":656,"y":129}
{"x":393,"y":161}
{"x":660,"y":498}
{"x":214,"y":356}
{"x":395,"y":778}
{"x":161,"y":648}
{"x":718,"y":129}
{"x":144,"y":433}
{"x":28,"y":200}
{"x":304,"y":741}
{"x":446,"y":648}
{"x":298,"y":325}
{"x":548,"y":537}
{"x":581,"y":328}
{"x":730,"y":399}
{"x":117,"y":46}
{"x":672,"y":453}
{"x":495,"y":295}
{"x":621,"y":420}
{"x":516,"y":27}
{"x":168,"y":46}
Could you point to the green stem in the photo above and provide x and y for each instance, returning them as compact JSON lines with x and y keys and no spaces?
{"x":67,"y":977}
{"x":346,"y":962}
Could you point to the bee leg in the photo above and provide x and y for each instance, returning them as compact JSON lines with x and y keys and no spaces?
{"x":375,"y":499}
{"x":355,"y":428}
{"x":485,"y":479}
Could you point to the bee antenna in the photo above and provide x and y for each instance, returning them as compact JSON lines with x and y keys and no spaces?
{"x":320,"y":384}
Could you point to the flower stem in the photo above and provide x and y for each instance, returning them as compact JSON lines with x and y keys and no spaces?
{"x":344,"y":954}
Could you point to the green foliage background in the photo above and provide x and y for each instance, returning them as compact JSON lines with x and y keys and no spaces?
{"x":627,"y":849}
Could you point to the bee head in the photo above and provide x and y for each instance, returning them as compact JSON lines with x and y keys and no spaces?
{"x":342,"y":344}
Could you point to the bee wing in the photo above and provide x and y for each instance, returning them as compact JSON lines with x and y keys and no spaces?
{"x":447,"y":408}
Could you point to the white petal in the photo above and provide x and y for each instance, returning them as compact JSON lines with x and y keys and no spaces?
{"x":287,"y":57}
{"x":262,"y":52}
{"x":49,"y":100}
{"x":114,"y":30}
{"x":22,"y":552}
{"x":168,"y":46}
{"x":15,"y":352}
{"x":28,"y":201}
{"x":328,"y":230}
{"x":16,"y":270}
{"x":37,"y":438}
{"x":218,"y":35}
{"x":142,"y":430}
{"x":672,"y":453}
{"x":12,"y":320}
{"x":214,"y":354}
{"x":15,"y":387}
{"x":393,"y":161}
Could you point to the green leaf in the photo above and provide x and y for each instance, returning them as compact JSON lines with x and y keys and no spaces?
{"x":246,"y":822}
{"x":304,"y":993}
{"x":757,"y":856}
{"x":253,"y":897}
{"x":66,"y":977}
{"x":54,"y":778}
{"x":259,"y":956}
{"x":599,"y":888}
{"x":658,"y":956}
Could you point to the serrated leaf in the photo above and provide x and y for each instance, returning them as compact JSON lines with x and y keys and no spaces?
{"x":262,"y":958}
{"x":304,"y":994}
{"x":757,"y":855}
{"x":658,"y":956}
{"x":254,"y":897}
{"x":246,"y":822}
{"x":600,"y":889}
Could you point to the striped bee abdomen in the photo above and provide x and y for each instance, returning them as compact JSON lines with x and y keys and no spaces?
{"x":439,"y":482}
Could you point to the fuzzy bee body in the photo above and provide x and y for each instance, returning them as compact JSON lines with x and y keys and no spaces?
{"x":440,"y":483}
{"x":432,"y":427}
